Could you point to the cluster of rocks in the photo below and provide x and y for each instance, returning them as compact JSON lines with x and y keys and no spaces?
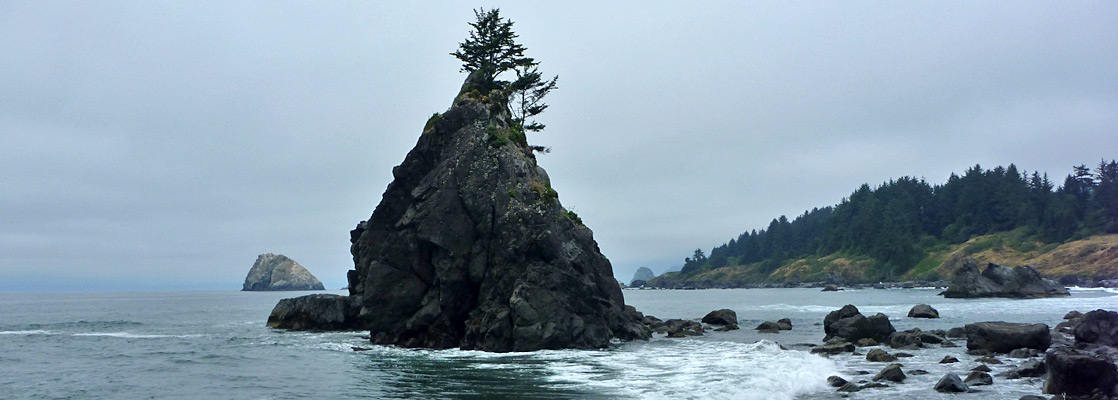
{"x":783,"y":324}
{"x":1000,"y":281}
{"x":1087,"y":368}
{"x":718,"y":320}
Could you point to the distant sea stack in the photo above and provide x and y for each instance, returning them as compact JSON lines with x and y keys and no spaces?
{"x":470,"y":247}
{"x":643,"y":274}
{"x":277,"y":272}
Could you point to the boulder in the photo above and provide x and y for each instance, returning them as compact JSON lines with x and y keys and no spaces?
{"x":850,"y":387}
{"x":978,"y":378}
{"x":879,"y":355}
{"x":1032,"y":368}
{"x":768,"y":327}
{"x":981,"y":367}
{"x":277,"y":272}
{"x":784,"y":324}
{"x":470,"y":247}
{"x":1098,"y":327}
{"x":317,"y":312}
{"x":676,"y":328}
{"x":851,"y":325}
{"x":1003,"y":337}
{"x":1000,"y":281}
{"x":642,"y":275}
{"x":988,"y":360}
{"x":923,"y":311}
{"x":951,"y":383}
{"x":721,"y":317}
{"x":891,"y":372}
{"x":948,"y":360}
{"x":835,"y":381}
{"x":956,"y":332}
{"x":1078,"y":373}
{"x":865,"y":342}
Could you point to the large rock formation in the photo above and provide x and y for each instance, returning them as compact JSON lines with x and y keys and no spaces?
{"x":277,"y":272}
{"x":470,"y":247}
{"x":1003,"y":337}
{"x":1000,"y":281}
{"x":324,"y":312}
{"x":849,"y":324}
{"x":642,"y":274}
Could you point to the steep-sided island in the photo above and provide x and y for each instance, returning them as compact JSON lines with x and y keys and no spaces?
{"x":470,"y":246}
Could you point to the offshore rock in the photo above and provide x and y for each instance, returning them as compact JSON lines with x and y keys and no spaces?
{"x":470,"y":247}
{"x":325,"y":312}
{"x":851,"y":325}
{"x":999,"y":281}
{"x":642,"y":274}
{"x":277,"y":272}
{"x":1004,"y":337}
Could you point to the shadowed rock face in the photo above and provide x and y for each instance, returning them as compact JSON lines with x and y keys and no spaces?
{"x":277,"y":272}
{"x":999,"y":281}
{"x":642,"y":274}
{"x":471,"y":248}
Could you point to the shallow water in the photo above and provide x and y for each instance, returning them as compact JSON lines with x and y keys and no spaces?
{"x":215,"y":345}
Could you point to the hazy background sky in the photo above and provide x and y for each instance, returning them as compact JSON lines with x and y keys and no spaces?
{"x":163,"y":145}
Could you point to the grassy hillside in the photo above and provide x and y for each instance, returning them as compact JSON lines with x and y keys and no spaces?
{"x":1088,"y":257}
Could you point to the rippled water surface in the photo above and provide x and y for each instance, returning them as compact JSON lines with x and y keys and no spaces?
{"x":215,"y":345}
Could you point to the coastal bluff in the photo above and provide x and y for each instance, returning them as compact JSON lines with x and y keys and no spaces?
{"x":470,"y":247}
{"x":274,"y":272}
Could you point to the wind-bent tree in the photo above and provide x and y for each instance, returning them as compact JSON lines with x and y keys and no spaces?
{"x":492,"y":49}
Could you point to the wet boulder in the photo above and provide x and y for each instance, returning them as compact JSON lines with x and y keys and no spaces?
{"x":923,"y":311}
{"x":891,"y":372}
{"x":1078,"y":373}
{"x":317,"y":312}
{"x":723,"y":317}
{"x":848,"y":323}
{"x":1032,"y":368}
{"x":879,"y":355}
{"x":977,"y":378}
{"x":951,"y":383}
{"x":1098,"y":327}
{"x":1003,"y":337}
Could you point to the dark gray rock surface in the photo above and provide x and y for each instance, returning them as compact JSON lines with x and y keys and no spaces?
{"x":721,"y":317}
{"x":978,"y":378}
{"x":879,"y":355}
{"x":1000,"y":281}
{"x":891,"y":372}
{"x":951,"y":383}
{"x":1079,"y":373}
{"x":923,"y":311}
{"x":851,"y":325}
{"x":470,"y":247}
{"x":1004,"y":337}
{"x":277,"y":272}
{"x":1098,"y":327}
{"x":317,"y":312}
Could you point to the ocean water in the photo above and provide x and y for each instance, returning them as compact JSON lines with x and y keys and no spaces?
{"x":190,"y":345}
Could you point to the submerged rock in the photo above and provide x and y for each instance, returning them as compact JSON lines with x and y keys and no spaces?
{"x":277,"y":272}
{"x":999,"y":281}
{"x":471,"y":248}
{"x":1004,"y":337}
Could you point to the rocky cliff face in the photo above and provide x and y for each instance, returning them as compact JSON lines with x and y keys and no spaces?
{"x":470,"y":247}
{"x":277,"y":272}
{"x":642,"y":274}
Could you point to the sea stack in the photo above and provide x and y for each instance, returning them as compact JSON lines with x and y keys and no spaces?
{"x":277,"y":272}
{"x":471,"y":248}
{"x":643,"y":274}
{"x":1000,"y":281}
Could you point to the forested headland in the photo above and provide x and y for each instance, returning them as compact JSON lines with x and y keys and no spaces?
{"x":909,"y":229}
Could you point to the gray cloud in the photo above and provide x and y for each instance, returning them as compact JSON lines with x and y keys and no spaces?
{"x":164,"y":145}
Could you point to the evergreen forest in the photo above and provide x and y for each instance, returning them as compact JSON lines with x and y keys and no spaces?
{"x":894,"y":224}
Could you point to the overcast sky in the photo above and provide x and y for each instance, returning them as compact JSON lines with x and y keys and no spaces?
{"x":164,"y":145}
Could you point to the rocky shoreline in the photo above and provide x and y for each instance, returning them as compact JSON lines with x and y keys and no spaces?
{"x":1076,"y":359}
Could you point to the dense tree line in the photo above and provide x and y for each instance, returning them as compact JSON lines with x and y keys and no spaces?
{"x":894,"y":223}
